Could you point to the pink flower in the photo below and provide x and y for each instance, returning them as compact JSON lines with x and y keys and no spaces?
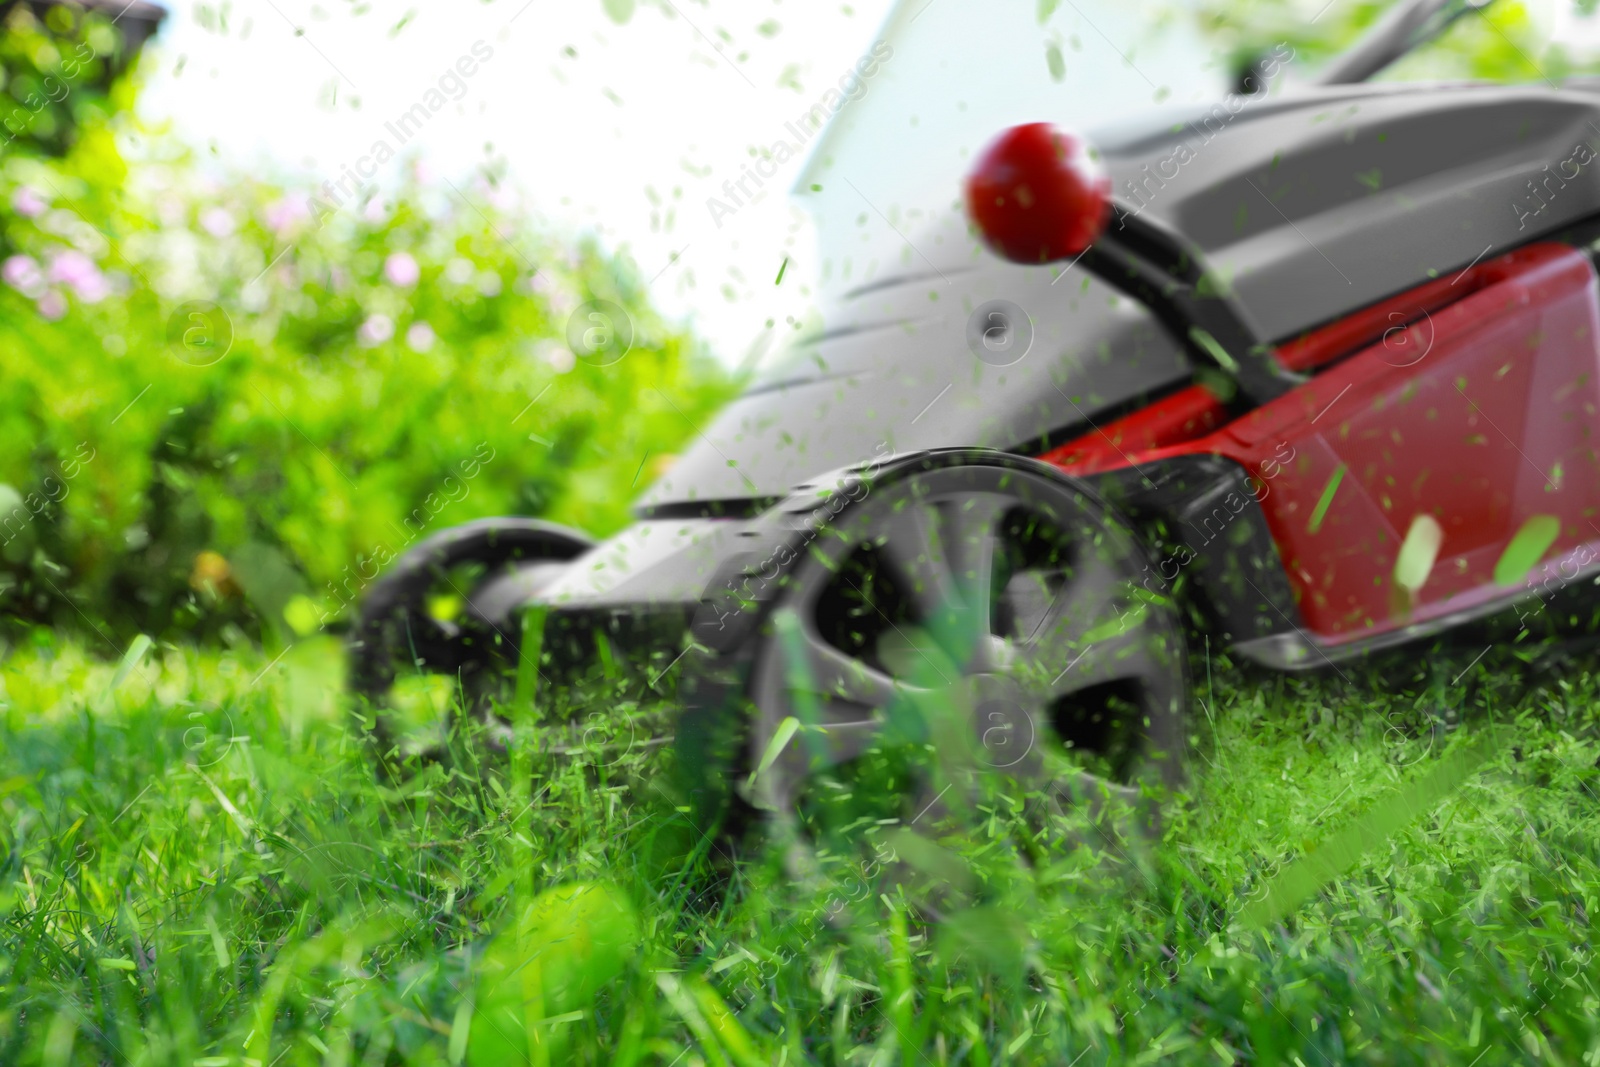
{"x":376,"y":330}
{"x":401,"y":269}
{"x":286,"y":214}
{"x":52,"y":305}
{"x":217,"y":221}
{"x":71,"y":266}
{"x":420,"y":336}
{"x":80,"y":273}
{"x":22,"y":273}
{"x":27,"y":203}
{"x":503,"y":197}
{"x":171,"y":210}
{"x":558,"y":356}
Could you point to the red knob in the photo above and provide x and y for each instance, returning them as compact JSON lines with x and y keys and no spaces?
{"x":1036,"y":196}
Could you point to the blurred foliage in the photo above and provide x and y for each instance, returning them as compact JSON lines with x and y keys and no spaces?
{"x":1508,"y":41}
{"x":223,"y":395}
{"x":56,"y":69}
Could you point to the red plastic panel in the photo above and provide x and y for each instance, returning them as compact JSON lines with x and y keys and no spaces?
{"x":1481,"y":414}
{"x":1183,"y":416}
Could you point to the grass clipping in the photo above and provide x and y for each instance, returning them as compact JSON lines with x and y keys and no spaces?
{"x":1335,"y":857}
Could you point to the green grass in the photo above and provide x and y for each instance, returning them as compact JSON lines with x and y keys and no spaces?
{"x":198,"y":866}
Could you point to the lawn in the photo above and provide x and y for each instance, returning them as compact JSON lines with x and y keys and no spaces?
{"x":1387,"y":865}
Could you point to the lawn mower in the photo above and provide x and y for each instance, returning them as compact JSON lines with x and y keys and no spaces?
{"x":1312,"y":373}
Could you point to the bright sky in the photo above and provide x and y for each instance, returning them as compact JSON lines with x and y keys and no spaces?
{"x":620,"y":130}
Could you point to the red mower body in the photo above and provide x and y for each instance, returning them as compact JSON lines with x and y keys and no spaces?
{"x":1471,"y":401}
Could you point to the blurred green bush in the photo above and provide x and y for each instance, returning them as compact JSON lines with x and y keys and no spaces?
{"x":59,"y":68}
{"x":222,"y":400}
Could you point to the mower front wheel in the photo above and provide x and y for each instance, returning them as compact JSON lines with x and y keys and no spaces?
{"x":487,"y":570}
{"x":962,"y":652}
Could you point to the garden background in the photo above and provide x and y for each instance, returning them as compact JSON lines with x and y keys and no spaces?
{"x":208,"y":448}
